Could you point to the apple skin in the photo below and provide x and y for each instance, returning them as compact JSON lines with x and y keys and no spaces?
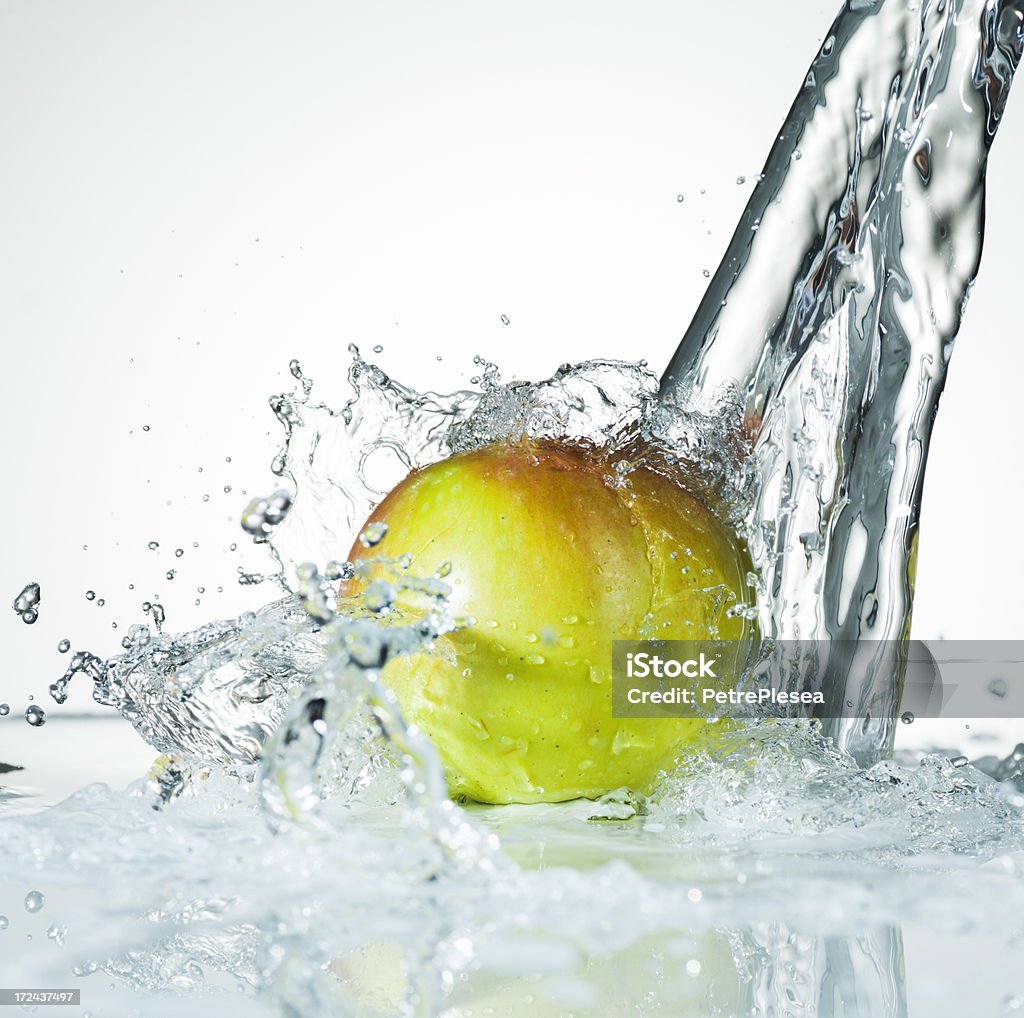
{"x":553,"y":562}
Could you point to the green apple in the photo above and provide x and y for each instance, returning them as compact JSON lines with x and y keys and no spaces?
{"x":552,"y":558}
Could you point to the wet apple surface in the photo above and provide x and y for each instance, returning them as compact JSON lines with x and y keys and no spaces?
{"x":553,"y":556}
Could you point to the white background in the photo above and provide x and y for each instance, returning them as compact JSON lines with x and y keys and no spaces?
{"x":191,"y":194}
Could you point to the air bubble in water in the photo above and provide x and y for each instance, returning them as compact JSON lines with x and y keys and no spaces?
{"x":27,"y":602}
{"x":34,"y":901}
{"x":373,"y":534}
{"x":4,"y":922}
{"x":997,"y":687}
{"x":35,"y":716}
{"x":64,"y":646}
{"x":5,"y":709}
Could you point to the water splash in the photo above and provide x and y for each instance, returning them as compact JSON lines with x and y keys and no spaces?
{"x":802,"y":410}
{"x":212,"y":695}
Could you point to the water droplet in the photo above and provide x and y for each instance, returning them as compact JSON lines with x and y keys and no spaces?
{"x":706,"y":273}
{"x":741,"y":180}
{"x":378,"y":348}
{"x":57,"y":934}
{"x":145,"y":427}
{"x":153,"y":545}
{"x":101,"y":602}
{"x":373,"y":534}
{"x":90,"y":595}
{"x":797,"y":155}
{"x":171,"y":573}
{"x":505,"y":320}
{"x":4,"y":922}
{"x":679,"y":198}
{"x":26,"y":603}
{"x":367,"y":647}
{"x":693,"y":967}
{"x":262,"y":515}
{"x":34,"y":901}
{"x":959,"y":761}
{"x":35,"y":716}
{"x":5,"y":709}
{"x":907,"y":717}
{"x":998,"y":687}
{"x":379,"y":595}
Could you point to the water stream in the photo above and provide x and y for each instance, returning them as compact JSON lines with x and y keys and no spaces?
{"x":831,"y":320}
